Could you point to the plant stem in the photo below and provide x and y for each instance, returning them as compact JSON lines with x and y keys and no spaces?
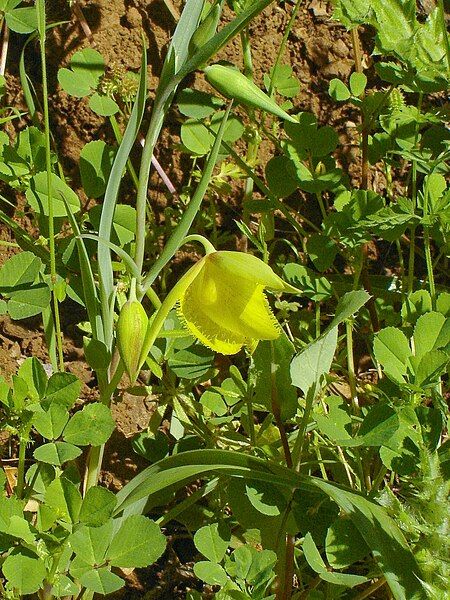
{"x":427,"y":248}
{"x":253,"y":143}
{"x":378,"y":480}
{"x":9,"y":244}
{"x":426,"y":240}
{"x":371,"y":589}
{"x":283,"y":43}
{"x":284,"y":590}
{"x":119,"y":137}
{"x":321,"y":205}
{"x":247,"y":53}
{"x":144,"y":174}
{"x":351,"y":366}
{"x":209,"y":248}
{"x":4,"y":50}
{"x":95,"y":457}
{"x":40,"y":9}
{"x":412,"y":247}
{"x":402,"y":268}
{"x":317,"y":319}
{"x":364,"y":129}
{"x":23,"y":440}
{"x":444,"y":32}
{"x":276,"y":410}
{"x":412,"y":241}
{"x":83,"y":23}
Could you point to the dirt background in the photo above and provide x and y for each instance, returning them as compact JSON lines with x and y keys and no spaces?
{"x":318,"y":50}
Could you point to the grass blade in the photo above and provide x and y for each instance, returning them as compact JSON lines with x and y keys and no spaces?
{"x":110,"y":199}
{"x":91,"y":299}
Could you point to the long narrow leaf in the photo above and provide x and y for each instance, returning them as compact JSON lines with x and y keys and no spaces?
{"x":91,"y":298}
{"x":180,"y":468}
{"x":221,"y":38}
{"x":383,"y":537}
{"x":190,"y":213}
{"x":129,"y":262}
{"x":178,"y":50}
{"x":25,"y":241}
{"x":110,"y":199}
{"x":385,"y":540}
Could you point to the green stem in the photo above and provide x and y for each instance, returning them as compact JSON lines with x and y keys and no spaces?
{"x":378,"y":480}
{"x":276,"y":409}
{"x":444,"y":33}
{"x":412,"y":246}
{"x":317,"y":319}
{"x":285,"y":585}
{"x":402,"y":268}
{"x":301,"y":435}
{"x":250,"y":416}
{"x":247,"y":53}
{"x":426,"y":239}
{"x":40,"y":9}
{"x":321,"y":205}
{"x":427,"y":248}
{"x":23,"y":441}
{"x":95,"y":458}
{"x":371,"y":589}
{"x":283,"y":43}
{"x":144,"y":175}
{"x":119,"y":137}
{"x":364,"y":130}
{"x":209,"y":248}
{"x":153,"y":297}
{"x":157,"y":320}
{"x":253,"y":144}
{"x":351,"y":366}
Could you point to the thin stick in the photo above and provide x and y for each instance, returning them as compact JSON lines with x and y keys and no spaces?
{"x":4,"y":50}
{"x":372,"y":588}
{"x":83,"y":23}
{"x":364,"y":132}
{"x":160,"y":170}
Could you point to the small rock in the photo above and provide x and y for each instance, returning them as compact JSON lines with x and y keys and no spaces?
{"x":339,"y":68}
{"x":133,"y":17}
{"x":340,"y":49}
{"x":318,"y":8}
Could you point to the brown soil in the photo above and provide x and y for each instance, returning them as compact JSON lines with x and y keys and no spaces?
{"x":318,"y":49}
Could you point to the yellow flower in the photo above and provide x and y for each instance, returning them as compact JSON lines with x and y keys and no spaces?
{"x":222,"y":301}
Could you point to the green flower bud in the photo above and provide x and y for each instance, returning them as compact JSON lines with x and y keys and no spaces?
{"x":234,"y":84}
{"x":205,"y":30}
{"x":131,"y":329}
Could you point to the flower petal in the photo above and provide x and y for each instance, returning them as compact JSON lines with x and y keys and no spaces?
{"x":250,"y":267}
{"x":227,"y":310}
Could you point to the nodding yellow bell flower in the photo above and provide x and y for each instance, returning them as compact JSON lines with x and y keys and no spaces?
{"x":221,"y":302}
{"x":224,"y":305}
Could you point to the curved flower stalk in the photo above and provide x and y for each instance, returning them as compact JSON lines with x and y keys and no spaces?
{"x":222,"y":302}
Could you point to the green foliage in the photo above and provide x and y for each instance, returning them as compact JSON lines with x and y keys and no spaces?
{"x":320,"y":453}
{"x":19,"y":19}
{"x":82,"y":529}
{"x":421,"y":47}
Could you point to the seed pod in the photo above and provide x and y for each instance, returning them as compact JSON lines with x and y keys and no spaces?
{"x":205,"y":30}
{"x":131,"y":329}
{"x":234,"y":84}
